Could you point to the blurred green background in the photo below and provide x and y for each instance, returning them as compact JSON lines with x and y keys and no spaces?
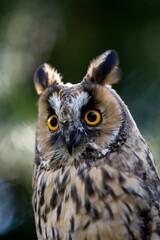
{"x":68,"y":34}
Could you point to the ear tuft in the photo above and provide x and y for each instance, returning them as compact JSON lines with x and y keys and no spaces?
{"x":104,"y":69}
{"x":44,"y":76}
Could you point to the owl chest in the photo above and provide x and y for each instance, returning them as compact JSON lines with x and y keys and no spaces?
{"x":69,"y":205}
{"x":59,"y":205}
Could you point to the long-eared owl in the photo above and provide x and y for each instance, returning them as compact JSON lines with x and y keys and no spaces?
{"x":94,"y":174}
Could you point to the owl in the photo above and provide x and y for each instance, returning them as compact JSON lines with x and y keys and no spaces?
{"x":94,"y":175}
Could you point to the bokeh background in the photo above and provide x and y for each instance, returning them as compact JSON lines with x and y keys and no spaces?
{"x":68,"y":34}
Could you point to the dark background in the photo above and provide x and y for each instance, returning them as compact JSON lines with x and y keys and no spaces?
{"x":68,"y":34}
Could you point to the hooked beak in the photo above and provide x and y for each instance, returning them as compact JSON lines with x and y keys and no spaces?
{"x":72,"y":140}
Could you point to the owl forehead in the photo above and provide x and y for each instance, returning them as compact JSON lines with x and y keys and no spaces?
{"x":68,"y":102}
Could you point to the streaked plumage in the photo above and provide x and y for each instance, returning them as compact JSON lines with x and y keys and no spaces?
{"x":94,"y":175}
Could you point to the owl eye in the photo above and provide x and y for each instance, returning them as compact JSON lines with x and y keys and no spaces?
{"x":92,"y":117}
{"x":53,"y":122}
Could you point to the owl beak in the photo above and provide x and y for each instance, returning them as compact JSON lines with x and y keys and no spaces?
{"x":71,"y":142}
{"x":69,"y":148}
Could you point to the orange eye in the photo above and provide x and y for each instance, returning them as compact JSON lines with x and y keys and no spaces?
{"x":53,"y":122}
{"x":92,"y":117}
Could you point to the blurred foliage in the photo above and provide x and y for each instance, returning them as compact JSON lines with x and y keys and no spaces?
{"x":67,"y":34}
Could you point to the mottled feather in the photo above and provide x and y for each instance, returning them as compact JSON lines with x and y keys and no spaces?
{"x":94,"y":174}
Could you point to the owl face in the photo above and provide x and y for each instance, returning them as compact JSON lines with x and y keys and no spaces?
{"x":82,"y":121}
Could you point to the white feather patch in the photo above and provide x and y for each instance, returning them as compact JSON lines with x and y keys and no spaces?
{"x":115,"y":133}
{"x":81,"y":100}
{"x":68,"y":84}
{"x":54,"y":102}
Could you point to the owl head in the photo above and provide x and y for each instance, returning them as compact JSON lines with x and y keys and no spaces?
{"x":84,"y":122}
